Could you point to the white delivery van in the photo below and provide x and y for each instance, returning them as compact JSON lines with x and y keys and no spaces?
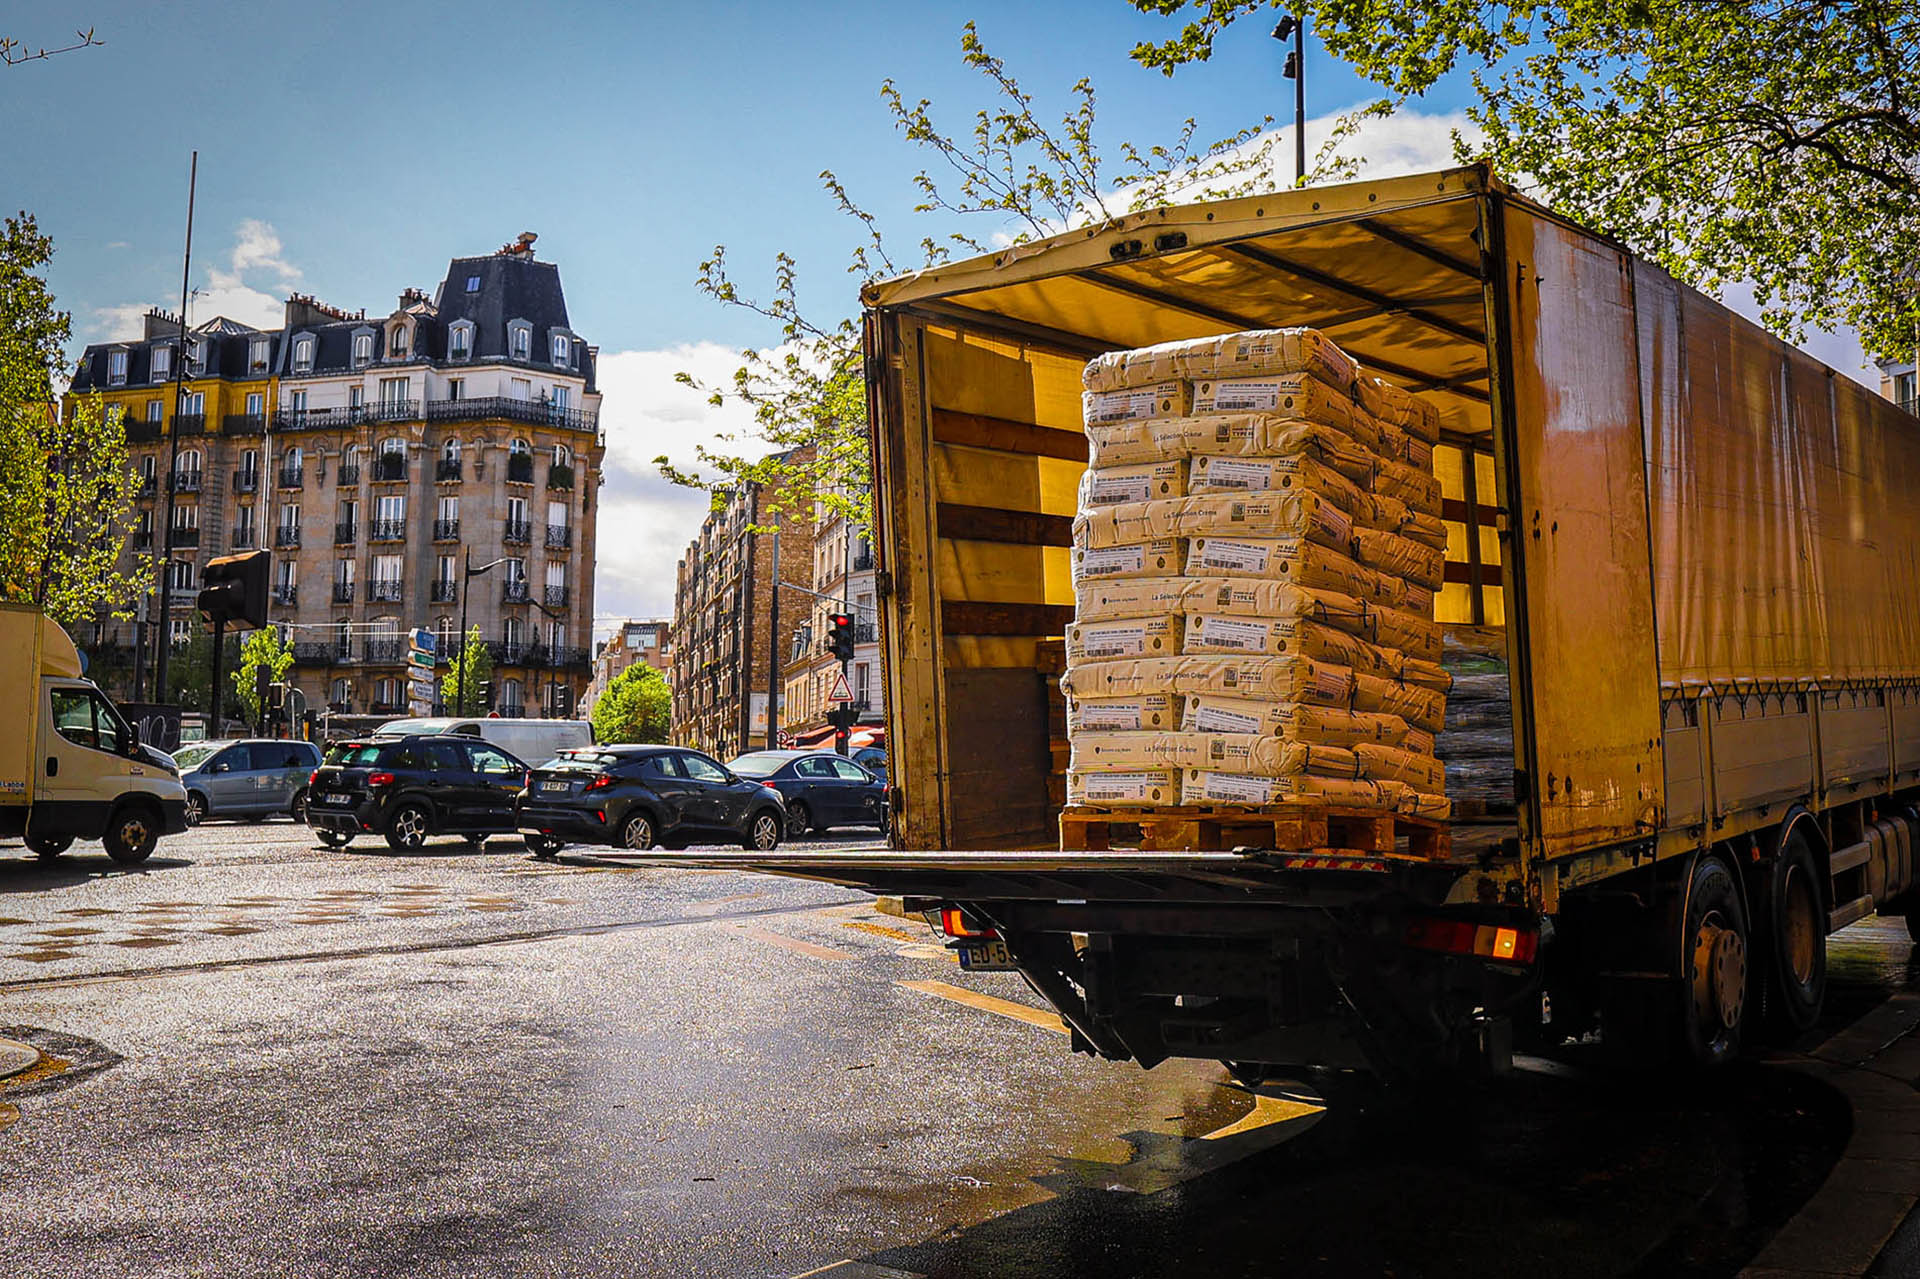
{"x":531,"y":741}
{"x":70,"y":766}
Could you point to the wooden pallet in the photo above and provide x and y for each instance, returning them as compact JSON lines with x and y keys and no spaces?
{"x":1291,"y":827}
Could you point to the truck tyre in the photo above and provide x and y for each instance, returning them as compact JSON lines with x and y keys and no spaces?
{"x":1796,"y":939}
{"x":48,"y":847}
{"x":1714,"y":962}
{"x":409,"y":827}
{"x":131,"y":834}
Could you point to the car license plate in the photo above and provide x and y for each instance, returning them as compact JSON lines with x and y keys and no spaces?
{"x":556,"y":786}
{"x":986,"y":957}
{"x":336,"y":799}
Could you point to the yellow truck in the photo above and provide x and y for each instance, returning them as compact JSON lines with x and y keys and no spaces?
{"x":70,"y":766}
{"x":1695,"y":545}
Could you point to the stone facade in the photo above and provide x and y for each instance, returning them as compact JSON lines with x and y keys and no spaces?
{"x":841,"y":569}
{"x":635,"y":641}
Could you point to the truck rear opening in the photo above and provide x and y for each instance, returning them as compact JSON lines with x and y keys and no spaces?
{"x":1681,"y":600}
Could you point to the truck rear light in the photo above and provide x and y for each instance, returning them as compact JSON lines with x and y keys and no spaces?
{"x":380,"y":779}
{"x":1504,"y":943}
{"x":957,"y":923}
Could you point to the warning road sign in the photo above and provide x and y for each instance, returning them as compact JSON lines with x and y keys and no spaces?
{"x":841,"y":693}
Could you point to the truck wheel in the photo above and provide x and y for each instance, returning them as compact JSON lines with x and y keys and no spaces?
{"x":1797,"y":938}
{"x":131,"y":835}
{"x":48,"y":847}
{"x":1714,"y":1002}
{"x":409,"y":827}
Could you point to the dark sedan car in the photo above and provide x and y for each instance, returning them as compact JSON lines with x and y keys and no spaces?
{"x":822,"y":789}
{"x":637,"y":796}
{"x":410,"y":787}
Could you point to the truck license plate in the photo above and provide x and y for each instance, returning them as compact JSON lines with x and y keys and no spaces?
{"x":986,"y":957}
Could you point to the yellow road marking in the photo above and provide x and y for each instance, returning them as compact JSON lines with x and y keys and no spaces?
{"x":1266,"y":1110}
{"x":990,"y":1004}
{"x":878,"y":930}
{"x":795,"y":945}
{"x":8,"y":1114}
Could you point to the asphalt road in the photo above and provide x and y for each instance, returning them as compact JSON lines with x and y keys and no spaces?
{"x":276,"y":1059}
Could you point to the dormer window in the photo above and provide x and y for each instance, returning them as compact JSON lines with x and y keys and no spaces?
{"x":117,"y":368}
{"x":519,"y":340}
{"x":257,"y":355}
{"x":162,"y":363}
{"x":460,"y":340}
{"x":561,"y":350}
{"x":303,"y":354}
{"x":196,"y":357}
{"x":397,"y":342}
{"x":473,"y":284}
{"x":362,"y":350}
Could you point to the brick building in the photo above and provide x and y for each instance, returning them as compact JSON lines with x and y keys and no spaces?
{"x":723,"y":642}
{"x":373,"y":456}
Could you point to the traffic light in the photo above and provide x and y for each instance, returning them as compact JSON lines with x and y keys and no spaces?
{"x":840,"y":636}
{"x":236,"y":589}
{"x":486,"y":693}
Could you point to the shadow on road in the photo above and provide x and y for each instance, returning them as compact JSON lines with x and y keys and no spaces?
{"x":22,"y":872}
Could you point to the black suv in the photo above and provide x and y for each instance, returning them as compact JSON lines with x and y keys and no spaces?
{"x":413,"y":786}
{"x":637,"y":796}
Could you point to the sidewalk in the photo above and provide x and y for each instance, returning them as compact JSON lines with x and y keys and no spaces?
{"x":1863,"y":1221}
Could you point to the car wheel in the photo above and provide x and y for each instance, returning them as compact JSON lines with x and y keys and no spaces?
{"x":798,"y":819}
{"x":637,"y":832}
{"x":298,"y":808}
{"x":335,"y":838}
{"x":131,"y":835}
{"x":409,"y":827}
{"x":763,"y":832}
{"x":196,"y":808}
{"x":48,"y":847}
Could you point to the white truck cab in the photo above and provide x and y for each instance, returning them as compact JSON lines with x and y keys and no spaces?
{"x":71,"y":766}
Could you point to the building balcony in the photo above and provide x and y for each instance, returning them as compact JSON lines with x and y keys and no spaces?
{"x":149,"y":485}
{"x":189,"y":423}
{"x":390,"y":468}
{"x":507,"y":652}
{"x":186,"y":481}
{"x":446,"y":530}
{"x":554,"y":596}
{"x":347,"y":476}
{"x":559,"y":476}
{"x":290,"y":477}
{"x":286,"y":418}
{"x":518,"y":532}
{"x":516,"y":593}
{"x":242,"y":538}
{"x":185,"y":537}
{"x":345,"y":534}
{"x":387,"y":707}
{"x":446,"y":470}
{"x":143,"y":541}
{"x":243,"y":424}
{"x":506,"y":409}
{"x":519,"y":468}
{"x":559,"y":537}
{"x":442,"y":592}
{"x":866,"y":633}
{"x":381,"y":652}
{"x":245,"y":481}
{"x":862,"y":561}
{"x":139,"y":432}
{"x":310,"y":654}
{"x":383,"y":592}
{"x":387,"y":530}
{"x":287,"y":536}
{"x":286,"y":593}
{"x":391,"y":411}
{"x":343,"y":592}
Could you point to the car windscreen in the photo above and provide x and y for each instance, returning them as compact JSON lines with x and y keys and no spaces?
{"x":189,"y":756}
{"x":579,"y":761}
{"x":350,"y":754}
{"x":765,"y":764}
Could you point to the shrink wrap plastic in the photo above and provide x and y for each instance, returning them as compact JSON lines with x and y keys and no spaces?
{"x":1206,"y":786}
{"x":1103,"y":641}
{"x":1137,"y":482}
{"x":1282,"y":513}
{"x":1319,"y":725}
{"x":1153,"y":559}
{"x":1262,"y":474}
{"x":1163,"y":399}
{"x":1146,"y":712}
{"x":1385,"y":402}
{"x":1256,"y":351}
{"x":1124,"y":788}
{"x":1232,"y":752}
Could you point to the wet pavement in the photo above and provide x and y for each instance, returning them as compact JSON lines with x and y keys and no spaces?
{"x":268,"y":1058}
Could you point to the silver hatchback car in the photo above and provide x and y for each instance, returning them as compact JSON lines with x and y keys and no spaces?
{"x":253,"y":778}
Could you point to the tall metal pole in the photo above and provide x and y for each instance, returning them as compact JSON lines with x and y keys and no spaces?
{"x":460,"y":671}
{"x":213,"y":698}
{"x":773,"y":650}
{"x":160,"y":662}
{"x":1300,"y":102}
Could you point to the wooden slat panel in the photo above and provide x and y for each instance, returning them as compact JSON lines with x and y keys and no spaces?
{"x":994,"y":524}
{"x":983,"y":617}
{"x":1462,"y":573}
{"x":953,"y":427}
{"x":1452,"y":508}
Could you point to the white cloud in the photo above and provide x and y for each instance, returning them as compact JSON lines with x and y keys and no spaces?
{"x":645,"y":521}
{"x":233,"y":290}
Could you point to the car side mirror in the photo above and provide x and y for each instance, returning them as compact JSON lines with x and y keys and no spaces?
{"x":133,"y":738}
{"x":217,"y":767}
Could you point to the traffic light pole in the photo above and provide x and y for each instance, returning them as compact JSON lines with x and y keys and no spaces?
{"x":773,"y":650}
{"x":213,"y":698}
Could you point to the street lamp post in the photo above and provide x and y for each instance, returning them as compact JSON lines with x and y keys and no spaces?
{"x":469,"y":572}
{"x":1296,"y":71}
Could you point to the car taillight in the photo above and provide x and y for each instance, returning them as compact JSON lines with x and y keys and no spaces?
{"x":957,"y":923}
{"x":526,"y":780}
{"x":313,"y":777}
{"x":1505,"y":943}
{"x":380,"y":779}
{"x":601,"y":782}
{"x":769,"y":786}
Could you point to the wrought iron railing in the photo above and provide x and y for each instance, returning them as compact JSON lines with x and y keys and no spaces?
{"x":242,"y":537}
{"x":186,"y":537}
{"x":519,"y":469}
{"x":243,"y":424}
{"x":387,"y":530}
{"x":385,"y":650}
{"x":446,"y":530}
{"x":383,"y":591}
{"x":290,"y":477}
{"x":189,"y":423}
{"x":515,"y":593}
{"x":554,"y":596}
{"x":559,"y":537}
{"x":505,"y":408}
{"x":447,"y":468}
{"x":389,"y":467}
{"x":517,"y":531}
{"x":559,"y":476}
{"x":186,"y":481}
{"x":245,"y":481}
{"x":347,"y":476}
{"x":286,"y":593}
{"x":442,"y":591}
{"x":287,"y":536}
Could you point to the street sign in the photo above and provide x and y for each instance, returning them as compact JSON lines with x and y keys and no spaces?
{"x":420,"y":647}
{"x":841,"y":693}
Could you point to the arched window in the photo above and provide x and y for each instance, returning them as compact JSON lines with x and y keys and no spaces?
{"x":340,"y":693}
{"x":460,"y":339}
{"x":397,"y":342}
{"x":562,"y":455}
{"x":519,"y":448}
{"x":356,"y":454}
{"x":190,"y":461}
{"x":511,"y":697}
{"x":392,"y":444}
{"x":362,"y":349}
{"x":450,"y":450}
{"x":292,"y":458}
